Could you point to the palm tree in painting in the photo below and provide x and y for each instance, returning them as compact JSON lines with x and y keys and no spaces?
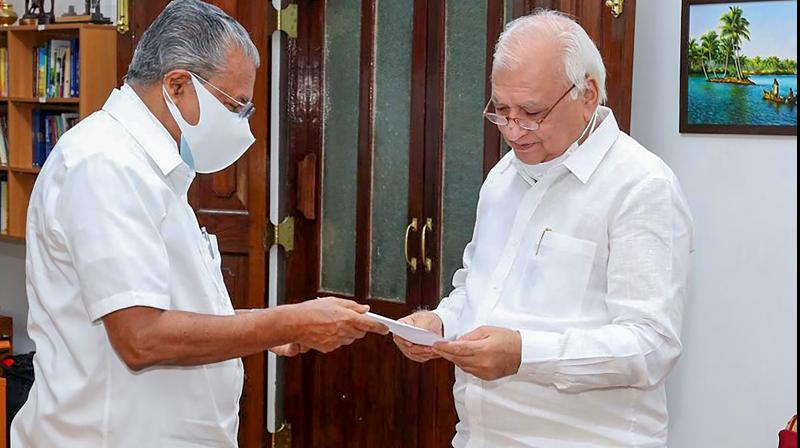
{"x":710,"y":48}
{"x":695,"y":55}
{"x":726,"y":48}
{"x":737,"y":28}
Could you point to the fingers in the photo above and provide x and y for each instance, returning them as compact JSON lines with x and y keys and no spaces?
{"x":350,"y":305}
{"x":425,"y":320}
{"x":476,"y":334}
{"x":414,"y":352}
{"x":460,"y":348}
{"x":411,"y":320}
{"x":368,"y":324}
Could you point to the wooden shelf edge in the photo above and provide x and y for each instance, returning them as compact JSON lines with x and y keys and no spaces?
{"x":24,"y":169}
{"x":46,"y":100}
{"x":11,"y":239}
{"x":59,"y":27}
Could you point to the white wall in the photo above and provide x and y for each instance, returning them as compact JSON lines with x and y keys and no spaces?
{"x":13,"y":301}
{"x":736,"y":384}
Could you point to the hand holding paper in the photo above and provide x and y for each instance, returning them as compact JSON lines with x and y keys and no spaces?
{"x":416,"y":352}
{"x":408,"y":332}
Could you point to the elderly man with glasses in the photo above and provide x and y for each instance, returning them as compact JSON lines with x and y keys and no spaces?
{"x":566,"y":316}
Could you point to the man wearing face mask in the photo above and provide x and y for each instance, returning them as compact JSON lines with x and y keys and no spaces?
{"x":137,"y":342}
{"x":567,"y":312}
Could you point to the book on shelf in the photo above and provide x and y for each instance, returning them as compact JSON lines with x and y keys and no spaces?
{"x":4,"y":72}
{"x":47,"y":127}
{"x":3,"y":138}
{"x":56,"y":69}
{"x":4,"y":203}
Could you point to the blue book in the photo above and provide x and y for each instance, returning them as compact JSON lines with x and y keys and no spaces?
{"x":36,"y":134}
{"x":75,"y":85}
{"x":48,"y":140}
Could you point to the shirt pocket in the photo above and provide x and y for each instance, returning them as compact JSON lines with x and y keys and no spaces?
{"x":216,"y":271}
{"x":558,"y":273}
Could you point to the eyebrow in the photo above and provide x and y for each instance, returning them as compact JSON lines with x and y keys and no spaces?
{"x":530,"y":105}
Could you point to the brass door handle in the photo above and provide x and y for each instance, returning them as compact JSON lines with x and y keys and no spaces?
{"x":616,"y":7}
{"x":425,"y":260}
{"x":123,"y":17}
{"x":410,"y":261}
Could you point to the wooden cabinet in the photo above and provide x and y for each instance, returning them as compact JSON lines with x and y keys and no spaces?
{"x":97,"y":73}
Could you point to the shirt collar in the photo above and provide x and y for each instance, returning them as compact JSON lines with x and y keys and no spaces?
{"x":585,"y":160}
{"x":127,"y":108}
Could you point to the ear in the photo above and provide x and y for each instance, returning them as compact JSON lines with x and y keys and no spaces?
{"x":591,"y":96}
{"x":177,"y":82}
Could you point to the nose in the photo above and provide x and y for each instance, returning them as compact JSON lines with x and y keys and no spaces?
{"x":513,"y":131}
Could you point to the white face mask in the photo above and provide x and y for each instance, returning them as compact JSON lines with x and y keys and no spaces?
{"x":218,"y":139}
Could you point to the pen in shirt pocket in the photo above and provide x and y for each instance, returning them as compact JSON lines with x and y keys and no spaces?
{"x":541,"y":238}
{"x":208,"y":241}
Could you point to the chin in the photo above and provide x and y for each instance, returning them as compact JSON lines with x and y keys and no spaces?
{"x":530,"y":157}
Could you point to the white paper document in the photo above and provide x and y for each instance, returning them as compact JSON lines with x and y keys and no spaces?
{"x":408,"y":332}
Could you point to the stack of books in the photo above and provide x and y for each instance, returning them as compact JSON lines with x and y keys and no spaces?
{"x":48,"y":127}
{"x":56,"y":70}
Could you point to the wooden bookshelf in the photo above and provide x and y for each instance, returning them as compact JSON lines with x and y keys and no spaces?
{"x":98,"y":77}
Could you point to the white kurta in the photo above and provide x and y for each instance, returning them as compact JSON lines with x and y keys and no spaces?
{"x":590,"y":265}
{"x":109,"y":227}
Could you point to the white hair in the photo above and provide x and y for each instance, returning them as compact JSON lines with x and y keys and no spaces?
{"x":581,"y":56}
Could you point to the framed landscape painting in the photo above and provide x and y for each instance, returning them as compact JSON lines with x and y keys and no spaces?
{"x":739,"y":67}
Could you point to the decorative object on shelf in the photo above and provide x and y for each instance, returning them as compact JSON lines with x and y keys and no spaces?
{"x":88,"y":15}
{"x":7,"y":14}
{"x":35,"y":14}
{"x":97,"y":15}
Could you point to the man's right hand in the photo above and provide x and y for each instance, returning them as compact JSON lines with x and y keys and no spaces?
{"x":422,"y":319}
{"x":329,"y":323}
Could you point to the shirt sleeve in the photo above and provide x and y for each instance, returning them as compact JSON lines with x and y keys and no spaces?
{"x":110,"y":218}
{"x":650,"y":238}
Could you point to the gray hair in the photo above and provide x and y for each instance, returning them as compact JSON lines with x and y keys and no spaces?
{"x":190,"y":35}
{"x":580,"y":55}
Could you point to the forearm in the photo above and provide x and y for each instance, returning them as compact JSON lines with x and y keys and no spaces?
{"x":188,"y":339}
{"x":610,"y":356}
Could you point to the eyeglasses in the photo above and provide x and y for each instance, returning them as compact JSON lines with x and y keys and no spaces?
{"x":525,"y":123}
{"x":244,"y":110}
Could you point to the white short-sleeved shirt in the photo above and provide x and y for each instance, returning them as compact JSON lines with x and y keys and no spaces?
{"x":590,"y":264}
{"x":109,"y":227}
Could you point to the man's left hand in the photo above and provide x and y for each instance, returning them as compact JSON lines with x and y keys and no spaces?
{"x":489,"y":353}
